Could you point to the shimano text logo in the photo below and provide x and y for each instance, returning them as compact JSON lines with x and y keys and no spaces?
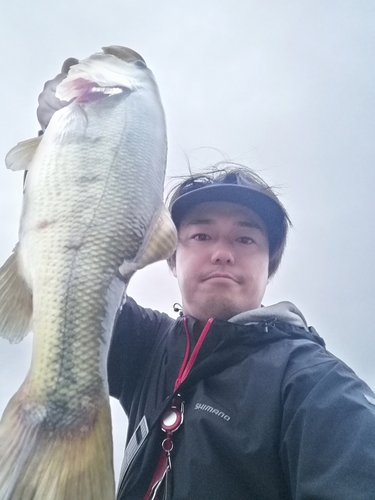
{"x":215,"y":411}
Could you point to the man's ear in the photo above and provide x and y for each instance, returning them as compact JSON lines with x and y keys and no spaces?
{"x":172,"y":264}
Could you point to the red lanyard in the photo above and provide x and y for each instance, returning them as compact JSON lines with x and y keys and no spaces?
{"x":187,"y":363}
{"x":173,"y":416}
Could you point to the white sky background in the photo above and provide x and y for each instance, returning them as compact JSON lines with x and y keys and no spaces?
{"x":284,"y":87}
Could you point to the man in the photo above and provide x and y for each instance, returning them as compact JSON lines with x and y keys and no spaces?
{"x":233,"y":400}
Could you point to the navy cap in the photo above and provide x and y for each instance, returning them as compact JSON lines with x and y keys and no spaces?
{"x":234,"y":188}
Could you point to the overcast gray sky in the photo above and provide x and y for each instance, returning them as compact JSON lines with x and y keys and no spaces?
{"x":284,"y":87}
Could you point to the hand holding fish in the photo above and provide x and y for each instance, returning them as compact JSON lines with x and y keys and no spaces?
{"x":92,"y":215}
{"x":48,"y":102}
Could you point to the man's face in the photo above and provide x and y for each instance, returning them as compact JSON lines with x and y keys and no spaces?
{"x":221,"y":260}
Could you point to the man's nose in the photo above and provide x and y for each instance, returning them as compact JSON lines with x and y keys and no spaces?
{"x":222,"y":254}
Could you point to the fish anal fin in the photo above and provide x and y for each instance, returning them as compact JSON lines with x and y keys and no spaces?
{"x":21,"y":155}
{"x":16,"y":302}
{"x":159,"y":245}
{"x":41,"y":464}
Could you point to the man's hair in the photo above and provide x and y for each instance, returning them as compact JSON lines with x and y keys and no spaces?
{"x":230,"y":173}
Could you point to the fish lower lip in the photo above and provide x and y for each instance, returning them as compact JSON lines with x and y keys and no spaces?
{"x":96,"y":93}
{"x":107,"y":90}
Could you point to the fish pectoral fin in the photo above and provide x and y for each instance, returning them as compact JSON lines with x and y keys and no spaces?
{"x":16,"y":303}
{"x":44,"y":461}
{"x":20,"y":157}
{"x":160,"y":244}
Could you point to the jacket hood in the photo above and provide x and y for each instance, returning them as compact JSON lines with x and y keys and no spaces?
{"x":282,"y":311}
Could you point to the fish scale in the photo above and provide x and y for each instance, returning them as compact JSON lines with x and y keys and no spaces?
{"x":92,"y":215}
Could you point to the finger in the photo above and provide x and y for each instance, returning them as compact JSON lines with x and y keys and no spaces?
{"x":51,"y":85}
{"x":48,"y":102}
{"x":71,"y":61}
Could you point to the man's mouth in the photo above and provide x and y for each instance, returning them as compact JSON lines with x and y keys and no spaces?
{"x":220,"y":275}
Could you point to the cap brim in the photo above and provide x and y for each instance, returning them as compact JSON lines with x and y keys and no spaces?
{"x":268,"y":209}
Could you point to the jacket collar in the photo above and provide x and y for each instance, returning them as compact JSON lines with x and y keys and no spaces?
{"x":285,"y":312}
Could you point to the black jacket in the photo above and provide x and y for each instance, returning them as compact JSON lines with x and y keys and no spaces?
{"x":269,"y":412}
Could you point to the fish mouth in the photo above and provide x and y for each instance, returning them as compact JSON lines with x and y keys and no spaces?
{"x":116,"y":68}
{"x":91,"y":92}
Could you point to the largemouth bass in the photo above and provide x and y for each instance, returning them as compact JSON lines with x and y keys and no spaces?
{"x":92,"y":215}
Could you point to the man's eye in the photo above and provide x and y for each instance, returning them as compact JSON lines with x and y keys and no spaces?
{"x":200,"y":237}
{"x":246,"y":240}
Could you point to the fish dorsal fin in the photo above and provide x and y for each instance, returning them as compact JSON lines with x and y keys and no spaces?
{"x":20,"y":157}
{"x":159,"y":244}
{"x":124,"y":53}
